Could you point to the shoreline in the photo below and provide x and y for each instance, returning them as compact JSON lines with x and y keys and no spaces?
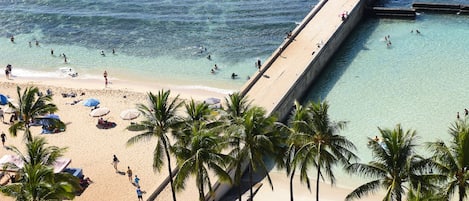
{"x":67,"y":84}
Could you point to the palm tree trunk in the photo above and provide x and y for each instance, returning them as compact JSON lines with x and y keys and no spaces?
{"x":250,"y":182}
{"x":201,"y":186}
{"x":317,"y":183}
{"x":462,"y":192}
{"x":319,"y":172}
{"x":170,"y":170}
{"x":291,"y":183}
{"x":239,"y":191}
{"x":27,"y":132}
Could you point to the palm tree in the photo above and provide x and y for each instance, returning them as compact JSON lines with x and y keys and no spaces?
{"x":197,"y":113}
{"x":160,"y":116}
{"x":38,"y":181}
{"x":252,"y":139}
{"x":395,"y":164}
{"x":297,"y":124}
{"x":453,"y":160}
{"x":200,"y":155}
{"x":320,"y":145}
{"x":236,"y":107}
{"x":30,"y":106}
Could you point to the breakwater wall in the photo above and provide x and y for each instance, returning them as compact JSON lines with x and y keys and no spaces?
{"x":383,"y":12}
{"x":441,"y":7}
{"x":319,"y":62}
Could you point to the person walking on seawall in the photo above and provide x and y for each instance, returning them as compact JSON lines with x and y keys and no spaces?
{"x":105,"y":78}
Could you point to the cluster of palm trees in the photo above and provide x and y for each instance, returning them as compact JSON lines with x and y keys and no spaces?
{"x":241,"y":136}
{"x":222,"y":143}
{"x":36,"y":179}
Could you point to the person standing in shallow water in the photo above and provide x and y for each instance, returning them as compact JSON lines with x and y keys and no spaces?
{"x":105,"y":78}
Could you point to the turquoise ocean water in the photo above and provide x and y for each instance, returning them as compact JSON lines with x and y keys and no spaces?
{"x":420,"y":81}
{"x":155,"y":41}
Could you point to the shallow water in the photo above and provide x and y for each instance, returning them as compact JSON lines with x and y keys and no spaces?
{"x":419,"y":81}
{"x":155,"y":41}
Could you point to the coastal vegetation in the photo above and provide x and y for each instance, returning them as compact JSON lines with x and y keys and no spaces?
{"x":31,"y":104}
{"x":315,"y":142}
{"x":160,"y":116}
{"x":36,"y":180}
{"x":309,"y":140}
{"x":234,"y":141}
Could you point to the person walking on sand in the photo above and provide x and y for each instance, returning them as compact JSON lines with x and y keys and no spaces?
{"x":115,"y":161}
{"x":129,"y":173}
{"x":3,"y":136}
{"x":105,"y":78}
{"x":137,"y":181}
{"x":139,"y":194}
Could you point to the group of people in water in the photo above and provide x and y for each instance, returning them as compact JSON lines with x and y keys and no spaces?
{"x":12,"y":39}
{"x":387,"y":38}
{"x":215,"y":68}
{"x":466,"y":112}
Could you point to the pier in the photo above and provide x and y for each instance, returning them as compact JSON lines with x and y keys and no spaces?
{"x":288,"y":73}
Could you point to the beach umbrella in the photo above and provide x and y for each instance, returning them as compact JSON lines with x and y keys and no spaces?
{"x":3,"y":99}
{"x":130,"y":114}
{"x":51,"y":116}
{"x":212,"y":101}
{"x":92,"y":102}
{"x":99,"y":112}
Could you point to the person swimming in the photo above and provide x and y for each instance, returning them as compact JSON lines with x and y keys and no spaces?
{"x":233,"y":75}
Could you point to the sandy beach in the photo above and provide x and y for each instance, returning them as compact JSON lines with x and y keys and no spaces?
{"x":92,"y":149}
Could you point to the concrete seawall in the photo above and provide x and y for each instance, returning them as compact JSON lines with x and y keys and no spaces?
{"x":290,"y":71}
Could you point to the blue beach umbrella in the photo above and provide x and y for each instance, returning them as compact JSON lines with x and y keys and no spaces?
{"x":92,"y":102}
{"x":52,"y":116}
{"x":3,"y":99}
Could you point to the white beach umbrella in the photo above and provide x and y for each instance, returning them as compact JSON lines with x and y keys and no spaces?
{"x":99,"y":112}
{"x":212,"y":101}
{"x":130,"y":114}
